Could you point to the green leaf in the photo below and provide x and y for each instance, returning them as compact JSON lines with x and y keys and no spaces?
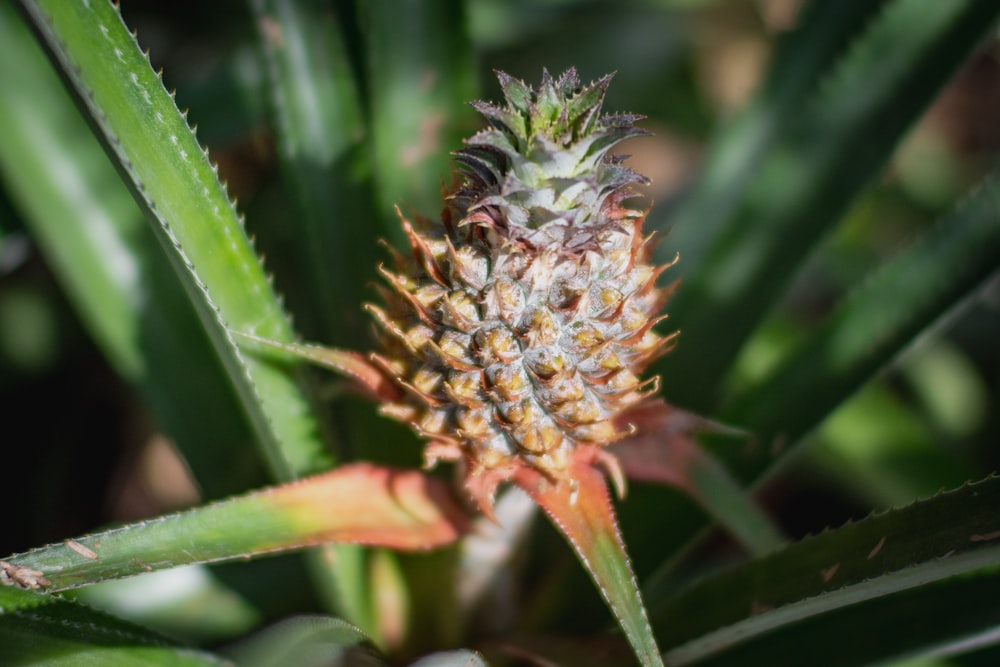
{"x":359,"y":503}
{"x":111,"y":265}
{"x":196,"y":222}
{"x":172,"y":178}
{"x":808,"y":393}
{"x":919,"y":288}
{"x":63,"y":182}
{"x":924,"y":286}
{"x":930,"y":541}
{"x":582,"y":511}
{"x":306,"y":641}
{"x":735,"y":154}
{"x":367,"y":377}
{"x":421,"y":77}
{"x":47,"y":630}
{"x":321,"y":133}
{"x":950,"y":617}
{"x":830,"y":150}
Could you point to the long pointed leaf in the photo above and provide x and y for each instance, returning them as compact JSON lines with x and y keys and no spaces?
{"x":320,"y":133}
{"x":359,"y":503}
{"x":111,"y":265}
{"x":906,"y":297}
{"x":917,"y":290}
{"x":48,"y":631}
{"x":943,"y":618}
{"x":421,"y":70}
{"x":836,"y":144}
{"x":929,"y":541}
{"x":583,"y":512}
{"x":172,"y":178}
{"x":791,"y":420}
{"x":736,"y":153}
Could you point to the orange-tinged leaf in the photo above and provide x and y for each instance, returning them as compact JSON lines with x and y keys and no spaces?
{"x":360,"y":503}
{"x":368,"y":377}
{"x":373,"y":505}
{"x":663,"y":450}
{"x":580,"y":506}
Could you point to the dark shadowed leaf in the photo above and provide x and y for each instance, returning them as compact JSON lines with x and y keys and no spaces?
{"x":49,"y":631}
{"x":938,"y":540}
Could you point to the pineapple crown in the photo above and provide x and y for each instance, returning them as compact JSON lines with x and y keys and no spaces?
{"x":543,"y":164}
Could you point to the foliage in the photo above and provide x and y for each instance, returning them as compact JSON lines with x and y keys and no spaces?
{"x":838,"y":242}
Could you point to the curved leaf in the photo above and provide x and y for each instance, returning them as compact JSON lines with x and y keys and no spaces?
{"x":930,"y":541}
{"x":174,"y":181}
{"x":47,"y":630}
{"x":922,"y":286}
{"x":306,"y":641}
{"x":359,"y":503}
{"x":808,"y":51}
{"x":110,"y":263}
{"x":950,"y":617}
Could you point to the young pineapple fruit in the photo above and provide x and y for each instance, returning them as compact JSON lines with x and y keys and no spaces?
{"x":519,"y":328}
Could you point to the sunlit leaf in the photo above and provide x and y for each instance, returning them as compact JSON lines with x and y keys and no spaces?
{"x":829,"y":149}
{"x":582,"y":511}
{"x":194,"y":218}
{"x":359,"y":503}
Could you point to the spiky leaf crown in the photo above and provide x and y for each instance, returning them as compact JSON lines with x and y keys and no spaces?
{"x":542,"y":168}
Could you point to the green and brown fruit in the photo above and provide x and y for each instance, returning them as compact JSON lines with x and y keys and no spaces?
{"x":519,"y":329}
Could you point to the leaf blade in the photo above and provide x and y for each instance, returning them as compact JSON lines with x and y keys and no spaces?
{"x":897,"y":551}
{"x":38,"y":629}
{"x":173,"y":179}
{"x":321,"y":131}
{"x":358,"y":503}
{"x":111,"y":266}
{"x":582,"y":511}
{"x":419,"y":61}
{"x":902,"y":301}
{"x":838,"y":142}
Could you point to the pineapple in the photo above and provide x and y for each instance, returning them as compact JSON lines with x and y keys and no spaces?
{"x":518,"y":330}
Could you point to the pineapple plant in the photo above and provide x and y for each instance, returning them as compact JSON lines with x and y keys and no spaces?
{"x":518,"y":336}
{"x":518,"y":331}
